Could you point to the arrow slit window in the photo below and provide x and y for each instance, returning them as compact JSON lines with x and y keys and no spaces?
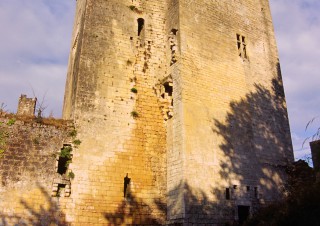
{"x":242,"y":46}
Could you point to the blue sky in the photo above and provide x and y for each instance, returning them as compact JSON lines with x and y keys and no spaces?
{"x":36,"y":37}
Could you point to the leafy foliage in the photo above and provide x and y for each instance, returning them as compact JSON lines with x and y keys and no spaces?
{"x":66,"y":152}
{"x":302,"y":205}
{"x":132,"y":7}
{"x":11,"y":122}
{"x":77,"y":142}
{"x":3,"y":140}
{"x":73,"y":133}
{"x":134,"y":114}
{"x":71,"y":175}
{"x":2,"y":152}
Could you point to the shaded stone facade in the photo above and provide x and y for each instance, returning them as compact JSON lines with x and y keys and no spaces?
{"x":180,"y":110}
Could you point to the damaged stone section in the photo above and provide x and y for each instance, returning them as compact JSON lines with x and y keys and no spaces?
{"x":61,"y":186}
{"x":173,"y":45}
{"x":164,"y":92}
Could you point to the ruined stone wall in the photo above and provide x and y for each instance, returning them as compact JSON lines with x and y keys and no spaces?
{"x":28,"y":160}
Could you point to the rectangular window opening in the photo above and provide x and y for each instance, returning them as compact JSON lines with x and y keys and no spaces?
{"x":256,"y":192}
{"x":228,"y":195}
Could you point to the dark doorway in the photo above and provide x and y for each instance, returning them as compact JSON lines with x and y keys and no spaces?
{"x":243,"y":213}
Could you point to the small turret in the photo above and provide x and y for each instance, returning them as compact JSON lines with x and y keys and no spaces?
{"x":26,"y":105}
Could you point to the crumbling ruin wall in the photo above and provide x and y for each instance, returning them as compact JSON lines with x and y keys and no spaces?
{"x":28,"y":169}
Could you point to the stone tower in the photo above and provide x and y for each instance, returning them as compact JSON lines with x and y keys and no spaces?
{"x":26,"y":106}
{"x":180,"y":109}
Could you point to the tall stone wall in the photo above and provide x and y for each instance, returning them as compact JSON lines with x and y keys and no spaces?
{"x":181,"y":110}
{"x":237,"y":137}
{"x":112,"y":83}
{"x":26,"y":106}
{"x":28,"y":170}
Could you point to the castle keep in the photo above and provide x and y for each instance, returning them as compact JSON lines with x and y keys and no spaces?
{"x":181,"y":114}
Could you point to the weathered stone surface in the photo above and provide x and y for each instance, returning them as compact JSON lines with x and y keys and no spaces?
{"x":26,"y":106}
{"x":27,"y":170}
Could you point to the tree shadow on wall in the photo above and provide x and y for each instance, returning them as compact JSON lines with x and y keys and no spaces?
{"x":134,"y":211}
{"x":256,"y":140}
{"x":41,"y":216}
{"x":257,"y":149}
{"x":199,"y":209}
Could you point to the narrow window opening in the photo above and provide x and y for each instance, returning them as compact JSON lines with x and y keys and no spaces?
{"x":140,"y":25}
{"x":64,"y":159}
{"x":235,"y":187}
{"x":256,"y":192}
{"x":242,"y":46}
{"x":62,"y":165}
{"x":228,"y":194}
{"x":126,"y":186}
{"x":248,"y":188}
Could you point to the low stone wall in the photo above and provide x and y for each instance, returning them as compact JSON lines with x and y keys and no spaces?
{"x":28,"y":167}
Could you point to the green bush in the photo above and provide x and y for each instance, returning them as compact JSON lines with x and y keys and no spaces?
{"x":66,"y":152}
{"x":134,"y":90}
{"x":77,"y":142}
{"x":134,"y":114}
{"x":11,"y":122}
{"x":132,"y":7}
{"x":71,"y":175}
{"x":73,"y":133}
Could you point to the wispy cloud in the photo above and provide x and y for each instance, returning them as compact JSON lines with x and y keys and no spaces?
{"x":34,"y":49}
